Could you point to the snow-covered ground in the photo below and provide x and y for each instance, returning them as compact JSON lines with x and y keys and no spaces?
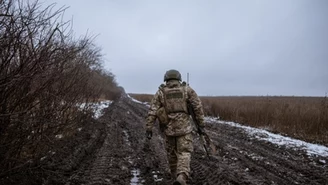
{"x":97,"y":107}
{"x":100,"y":106}
{"x":137,"y":101}
{"x":311,"y":149}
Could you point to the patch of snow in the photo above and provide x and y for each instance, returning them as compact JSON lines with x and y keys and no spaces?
{"x":156,"y":179}
{"x":137,"y":101}
{"x":322,"y":161}
{"x":108,"y":180}
{"x":256,"y":157}
{"x":135,"y":180}
{"x":97,"y":107}
{"x":51,"y":152}
{"x":130,"y":160}
{"x":43,"y":158}
{"x":79,"y":129}
{"x":311,"y":149}
{"x":59,"y":136}
{"x":155,"y":176}
{"x":126,"y":137}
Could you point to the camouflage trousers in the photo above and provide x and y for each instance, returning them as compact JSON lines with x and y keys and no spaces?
{"x":179,"y":149}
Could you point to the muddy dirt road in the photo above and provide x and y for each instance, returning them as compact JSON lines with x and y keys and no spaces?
{"x":125,"y":156}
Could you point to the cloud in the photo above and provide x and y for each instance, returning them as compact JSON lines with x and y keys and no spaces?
{"x":234,"y":47}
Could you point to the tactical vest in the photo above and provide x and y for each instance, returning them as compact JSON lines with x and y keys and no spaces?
{"x":175,"y":99}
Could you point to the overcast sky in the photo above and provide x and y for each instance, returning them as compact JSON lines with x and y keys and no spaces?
{"x":229,"y":47}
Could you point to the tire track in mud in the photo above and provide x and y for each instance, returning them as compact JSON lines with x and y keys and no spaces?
{"x":109,"y":164}
{"x":125,"y":152}
{"x":259,"y":162}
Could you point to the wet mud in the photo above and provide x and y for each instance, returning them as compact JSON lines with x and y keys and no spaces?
{"x":124,"y":156}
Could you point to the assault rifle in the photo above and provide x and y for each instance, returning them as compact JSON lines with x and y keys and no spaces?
{"x":205,"y":139}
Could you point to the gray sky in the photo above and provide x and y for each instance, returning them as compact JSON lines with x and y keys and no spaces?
{"x":230,"y":47}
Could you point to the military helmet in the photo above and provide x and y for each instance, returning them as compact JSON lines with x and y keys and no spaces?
{"x":172,"y":74}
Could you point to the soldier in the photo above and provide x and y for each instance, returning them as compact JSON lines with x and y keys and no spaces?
{"x":169,"y":105}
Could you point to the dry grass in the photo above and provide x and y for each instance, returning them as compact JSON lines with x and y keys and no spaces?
{"x":304,"y":118}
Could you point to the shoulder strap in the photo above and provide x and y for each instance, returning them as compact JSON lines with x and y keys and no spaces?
{"x":161,"y":87}
{"x":185,"y":90}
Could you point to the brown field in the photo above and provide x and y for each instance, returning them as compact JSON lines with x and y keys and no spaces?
{"x":304,"y":118}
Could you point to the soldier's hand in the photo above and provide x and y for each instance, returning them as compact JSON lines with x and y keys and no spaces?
{"x":149,"y":134}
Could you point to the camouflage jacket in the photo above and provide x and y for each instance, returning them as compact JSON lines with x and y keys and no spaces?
{"x":179,"y":123}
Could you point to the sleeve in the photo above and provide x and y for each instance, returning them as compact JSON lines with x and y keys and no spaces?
{"x":154,"y":106}
{"x":196,"y":105}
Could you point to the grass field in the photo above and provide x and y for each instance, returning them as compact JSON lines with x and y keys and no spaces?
{"x":304,"y":118}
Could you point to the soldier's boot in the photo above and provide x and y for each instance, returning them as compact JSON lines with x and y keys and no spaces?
{"x":181,"y":179}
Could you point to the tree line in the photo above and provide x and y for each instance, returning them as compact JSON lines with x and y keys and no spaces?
{"x":45,"y":73}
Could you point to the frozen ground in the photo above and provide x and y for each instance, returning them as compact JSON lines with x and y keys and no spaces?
{"x":97,"y":107}
{"x":311,"y":149}
{"x":244,"y":155}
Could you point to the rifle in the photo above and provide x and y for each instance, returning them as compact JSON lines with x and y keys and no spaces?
{"x":206,"y":141}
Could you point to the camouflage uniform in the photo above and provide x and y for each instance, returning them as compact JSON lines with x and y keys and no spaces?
{"x":178,"y":129}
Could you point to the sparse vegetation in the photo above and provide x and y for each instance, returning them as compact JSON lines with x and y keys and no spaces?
{"x":299,"y":117}
{"x":44,"y":74}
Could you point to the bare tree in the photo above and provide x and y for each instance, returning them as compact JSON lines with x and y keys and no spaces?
{"x":44,"y":74}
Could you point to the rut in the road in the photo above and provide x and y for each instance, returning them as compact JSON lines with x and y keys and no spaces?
{"x":245,"y":160}
{"x":123,"y":150}
{"x":240,"y":159}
